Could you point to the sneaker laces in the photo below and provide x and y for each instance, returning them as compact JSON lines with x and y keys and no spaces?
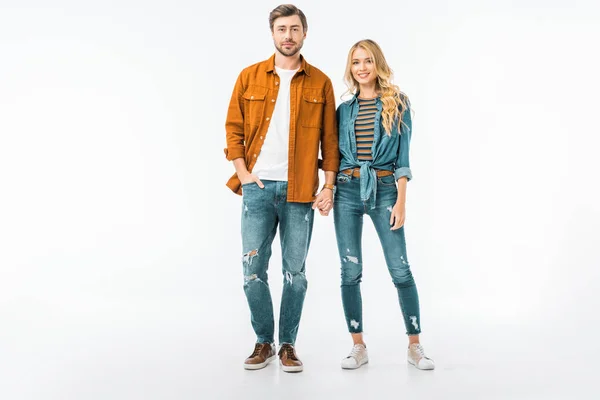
{"x":356,"y":349}
{"x":257,"y":349}
{"x":419,"y":350}
{"x":289,"y":352}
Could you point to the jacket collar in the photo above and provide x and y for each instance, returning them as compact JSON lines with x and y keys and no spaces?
{"x":354,"y":99}
{"x":304,"y":66}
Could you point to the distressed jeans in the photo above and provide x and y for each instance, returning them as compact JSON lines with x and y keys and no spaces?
{"x":348,"y":218}
{"x":262,"y":211}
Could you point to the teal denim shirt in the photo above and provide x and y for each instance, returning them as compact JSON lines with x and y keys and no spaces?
{"x":390,"y":152}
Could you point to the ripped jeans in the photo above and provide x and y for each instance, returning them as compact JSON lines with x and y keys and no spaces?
{"x":262,"y":211}
{"x":348,"y":214}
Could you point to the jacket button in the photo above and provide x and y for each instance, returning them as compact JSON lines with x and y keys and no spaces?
{"x":272,"y":100}
{"x":268,"y":118}
{"x":255,"y":156}
{"x":251,"y":97}
{"x":277,"y":83}
{"x":315,"y":100}
{"x":261,"y":138}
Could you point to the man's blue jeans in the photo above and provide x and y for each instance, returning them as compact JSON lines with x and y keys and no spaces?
{"x":262,"y":211}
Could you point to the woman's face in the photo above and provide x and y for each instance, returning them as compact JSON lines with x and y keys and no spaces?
{"x":363,"y":69}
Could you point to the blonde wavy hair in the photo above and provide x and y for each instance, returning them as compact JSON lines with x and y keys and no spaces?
{"x":395,"y":103}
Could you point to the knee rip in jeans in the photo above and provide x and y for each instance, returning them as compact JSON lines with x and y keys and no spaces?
{"x":289,"y":276}
{"x":249,"y":256}
{"x":351,"y":259}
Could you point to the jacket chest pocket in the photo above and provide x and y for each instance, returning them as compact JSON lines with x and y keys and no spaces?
{"x":254,"y":105}
{"x":311,"y":113}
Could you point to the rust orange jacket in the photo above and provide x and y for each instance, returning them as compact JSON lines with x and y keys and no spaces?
{"x":313,"y":125}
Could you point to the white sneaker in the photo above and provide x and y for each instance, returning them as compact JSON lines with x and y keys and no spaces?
{"x":357,"y":357}
{"x":416,"y":356}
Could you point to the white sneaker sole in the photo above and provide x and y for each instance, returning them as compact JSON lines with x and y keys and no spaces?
{"x":356,"y":366}
{"x":298,"y":368}
{"x":259,"y":366}
{"x":410,"y":361}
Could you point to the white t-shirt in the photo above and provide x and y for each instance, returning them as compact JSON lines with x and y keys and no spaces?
{"x":272,"y":162}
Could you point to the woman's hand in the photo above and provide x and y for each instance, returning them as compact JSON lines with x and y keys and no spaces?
{"x":397,"y":217}
{"x":324,"y":202}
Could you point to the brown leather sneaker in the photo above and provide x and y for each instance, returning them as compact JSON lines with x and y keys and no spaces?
{"x":288,"y":359}
{"x":262,"y":355}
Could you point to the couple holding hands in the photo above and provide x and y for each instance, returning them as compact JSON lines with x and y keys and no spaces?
{"x":282,"y":112}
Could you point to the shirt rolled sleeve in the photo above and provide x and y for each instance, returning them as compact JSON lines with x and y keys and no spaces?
{"x":402,"y":167}
{"x":329,"y":134}
{"x":234,"y":125}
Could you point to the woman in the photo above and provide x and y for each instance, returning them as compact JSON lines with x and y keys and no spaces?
{"x":374,"y":139}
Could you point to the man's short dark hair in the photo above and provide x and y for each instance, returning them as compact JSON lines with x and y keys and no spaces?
{"x":287,"y":10}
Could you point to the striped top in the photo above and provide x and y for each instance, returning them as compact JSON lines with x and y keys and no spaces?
{"x":364,"y":128}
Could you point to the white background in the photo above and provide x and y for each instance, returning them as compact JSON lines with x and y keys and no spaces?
{"x":120,"y":250}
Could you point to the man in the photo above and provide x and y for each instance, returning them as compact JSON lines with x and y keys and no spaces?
{"x":281,"y":111}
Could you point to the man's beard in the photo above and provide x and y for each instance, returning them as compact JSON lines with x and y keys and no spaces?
{"x":289,"y":52}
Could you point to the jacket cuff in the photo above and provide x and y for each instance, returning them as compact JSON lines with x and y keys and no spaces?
{"x":232,"y":154}
{"x":328,"y":165}
{"x":403,"y":171}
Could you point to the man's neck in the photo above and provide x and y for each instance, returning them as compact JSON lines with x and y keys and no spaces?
{"x":284,"y":62}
